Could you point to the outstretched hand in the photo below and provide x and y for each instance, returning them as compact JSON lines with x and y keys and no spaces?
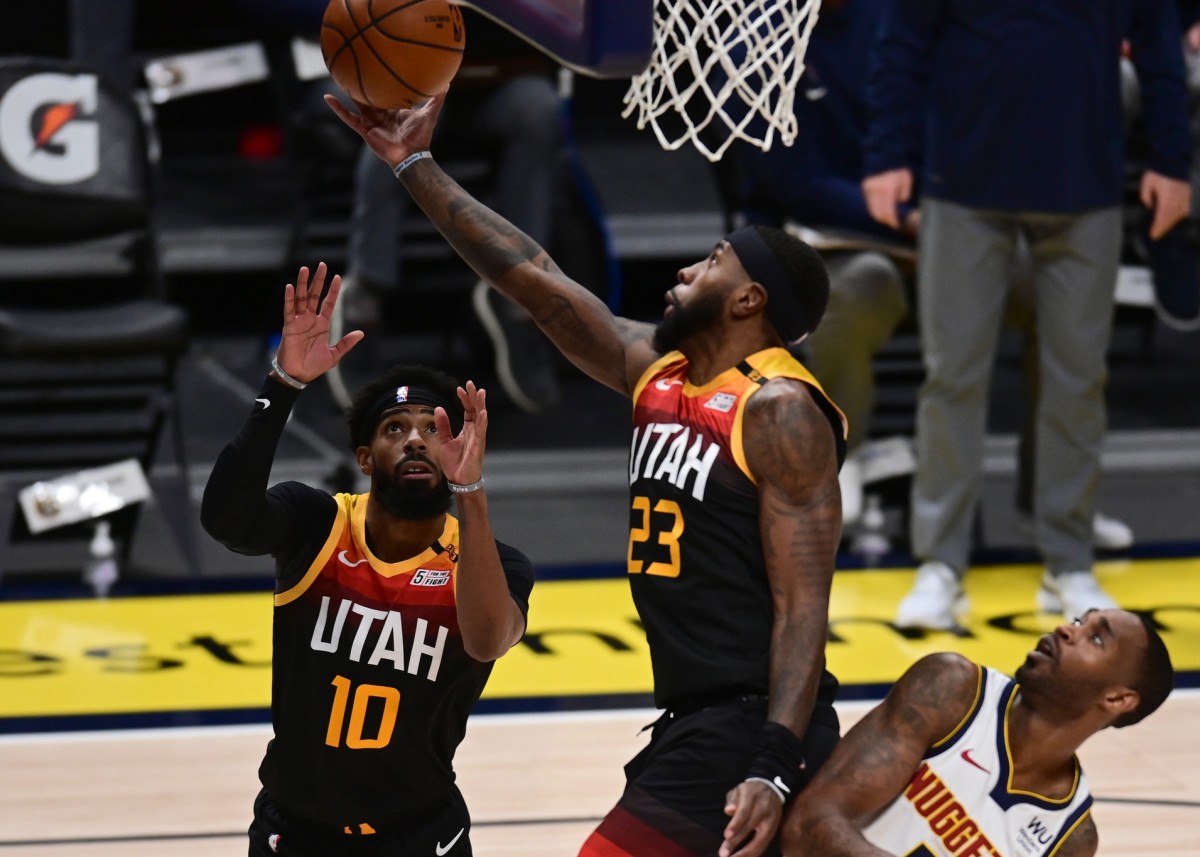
{"x":462,"y":456}
{"x":393,"y":135}
{"x":304,"y":349}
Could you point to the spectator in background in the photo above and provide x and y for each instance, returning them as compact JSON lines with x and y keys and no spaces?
{"x":1174,"y":259}
{"x":505,"y":109}
{"x":1013,"y":114}
{"x":817,"y":182}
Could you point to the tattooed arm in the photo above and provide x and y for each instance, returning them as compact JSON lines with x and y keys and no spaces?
{"x":790,"y":448}
{"x":875,"y":761}
{"x":613,"y":350}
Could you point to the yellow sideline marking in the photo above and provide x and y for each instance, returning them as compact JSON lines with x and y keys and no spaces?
{"x":209,"y":652}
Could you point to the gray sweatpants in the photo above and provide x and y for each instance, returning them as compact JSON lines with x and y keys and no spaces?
{"x":967,"y":259}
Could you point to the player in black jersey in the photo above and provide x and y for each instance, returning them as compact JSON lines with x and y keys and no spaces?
{"x":389,"y":611}
{"x":735,"y":512}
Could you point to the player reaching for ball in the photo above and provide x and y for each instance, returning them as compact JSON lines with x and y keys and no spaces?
{"x":389,"y":611}
{"x":735,"y":509}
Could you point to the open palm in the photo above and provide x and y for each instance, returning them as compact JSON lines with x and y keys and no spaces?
{"x":462,"y":456}
{"x":304,"y":349}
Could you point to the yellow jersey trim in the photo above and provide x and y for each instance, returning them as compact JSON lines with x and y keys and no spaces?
{"x":769,"y":363}
{"x":957,"y":730}
{"x":318,"y":563}
{"x":1062,"y":841}
{"x":653,"y":369}
{"x":1008,"y":787}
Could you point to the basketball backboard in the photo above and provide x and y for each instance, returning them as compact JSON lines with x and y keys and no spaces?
{"x":597,"y":38}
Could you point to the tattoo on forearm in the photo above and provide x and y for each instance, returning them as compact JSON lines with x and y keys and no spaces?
{"x":489,"y":243}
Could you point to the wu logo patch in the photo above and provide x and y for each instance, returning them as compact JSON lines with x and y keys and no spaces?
{"x":430,"y":577}
{"x":722,"y":402}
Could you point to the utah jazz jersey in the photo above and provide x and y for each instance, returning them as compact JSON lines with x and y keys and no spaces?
{"x":695,"y":557}
{"x":961,"y":800}
{"x":371,"y":683}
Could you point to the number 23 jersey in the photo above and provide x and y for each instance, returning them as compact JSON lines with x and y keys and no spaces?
{"x":695,"y":557}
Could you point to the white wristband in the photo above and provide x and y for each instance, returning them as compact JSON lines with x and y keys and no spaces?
{"x":284,"y":376}
{"x":778,"y":791}
{"x":465,"y":489}
{"x":409,"y":161}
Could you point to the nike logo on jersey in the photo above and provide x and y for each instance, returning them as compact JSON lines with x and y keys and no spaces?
{"x":266,"y":403}
{"x":784,"y":788}
{"x":346,"y":561}
{"x":966,"y":754}
{"x":443,"y":849}
{"x":665,"y":385}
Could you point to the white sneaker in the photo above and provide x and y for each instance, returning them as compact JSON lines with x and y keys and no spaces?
{"x":1110,"y":534}
{"x":1072,"y":593}
{"x":936,"y":601}
{"x":850,"y":481}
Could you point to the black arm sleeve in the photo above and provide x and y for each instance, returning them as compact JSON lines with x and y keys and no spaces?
{"x":238,"y":510}
{"x":518,"y":570}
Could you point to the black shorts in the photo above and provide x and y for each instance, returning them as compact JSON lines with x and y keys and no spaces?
{"x":444,"y":831}
{"x":674,"y":798}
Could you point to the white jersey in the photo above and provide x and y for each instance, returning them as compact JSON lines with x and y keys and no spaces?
{"x":961,"y":803}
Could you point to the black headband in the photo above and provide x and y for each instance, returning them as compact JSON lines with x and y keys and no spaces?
{"x":784,"y":309}
{"x":395,"y":397}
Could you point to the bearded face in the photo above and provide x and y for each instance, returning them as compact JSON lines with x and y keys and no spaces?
{"x":407,"y":499}
{"x":685,"y":320}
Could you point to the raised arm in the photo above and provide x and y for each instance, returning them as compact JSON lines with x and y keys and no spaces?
{"x":876,"y":759}
{"x":613,"y":350}
{"x":489,"y":618}
{"x":791,"y":450}
{"x":237,"y":509}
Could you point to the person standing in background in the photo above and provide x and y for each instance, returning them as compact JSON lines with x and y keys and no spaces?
{"x":1011,"y":113}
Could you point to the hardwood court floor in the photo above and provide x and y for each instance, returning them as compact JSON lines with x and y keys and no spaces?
{"x":536,"y":785}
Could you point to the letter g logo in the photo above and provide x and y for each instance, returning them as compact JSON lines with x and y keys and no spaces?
{"x":42,"y":134}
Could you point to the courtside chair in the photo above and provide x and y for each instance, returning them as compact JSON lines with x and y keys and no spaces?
{"x":89,"y":344}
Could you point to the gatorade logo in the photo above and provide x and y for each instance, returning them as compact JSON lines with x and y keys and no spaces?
{"x":45,"y":132}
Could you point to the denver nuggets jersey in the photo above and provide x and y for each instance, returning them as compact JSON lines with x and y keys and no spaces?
{"x":371,"y":683}
{"x":960,"y":802}
{"x":695,"y":557}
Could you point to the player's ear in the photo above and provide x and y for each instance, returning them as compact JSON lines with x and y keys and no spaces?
{"x":749,"y":299}
{"x":362,"y":455}
{"x":1121,"y":700}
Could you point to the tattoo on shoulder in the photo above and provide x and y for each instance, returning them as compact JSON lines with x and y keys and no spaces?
{"x":787,"y":434}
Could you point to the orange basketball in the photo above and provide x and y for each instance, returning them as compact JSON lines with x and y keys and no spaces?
{"x":392,"y":53}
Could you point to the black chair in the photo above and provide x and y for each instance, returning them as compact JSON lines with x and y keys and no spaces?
{"x":89,"y":345}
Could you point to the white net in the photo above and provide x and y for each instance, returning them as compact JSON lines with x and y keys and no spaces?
{"x":723,"y":70}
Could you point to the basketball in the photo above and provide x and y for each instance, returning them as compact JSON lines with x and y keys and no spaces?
{"x":392,"y":53}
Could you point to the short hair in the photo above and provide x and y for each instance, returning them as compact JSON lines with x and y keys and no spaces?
{"x":805,"y":270}
{"x":1155,"y":676}
{"x":442,"y":384}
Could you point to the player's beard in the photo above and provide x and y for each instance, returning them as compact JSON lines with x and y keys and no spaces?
{"x":410,"y":501}
{"x":687,"y":321}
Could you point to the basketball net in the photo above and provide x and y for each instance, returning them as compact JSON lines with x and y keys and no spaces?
{"x":717,"y":67}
